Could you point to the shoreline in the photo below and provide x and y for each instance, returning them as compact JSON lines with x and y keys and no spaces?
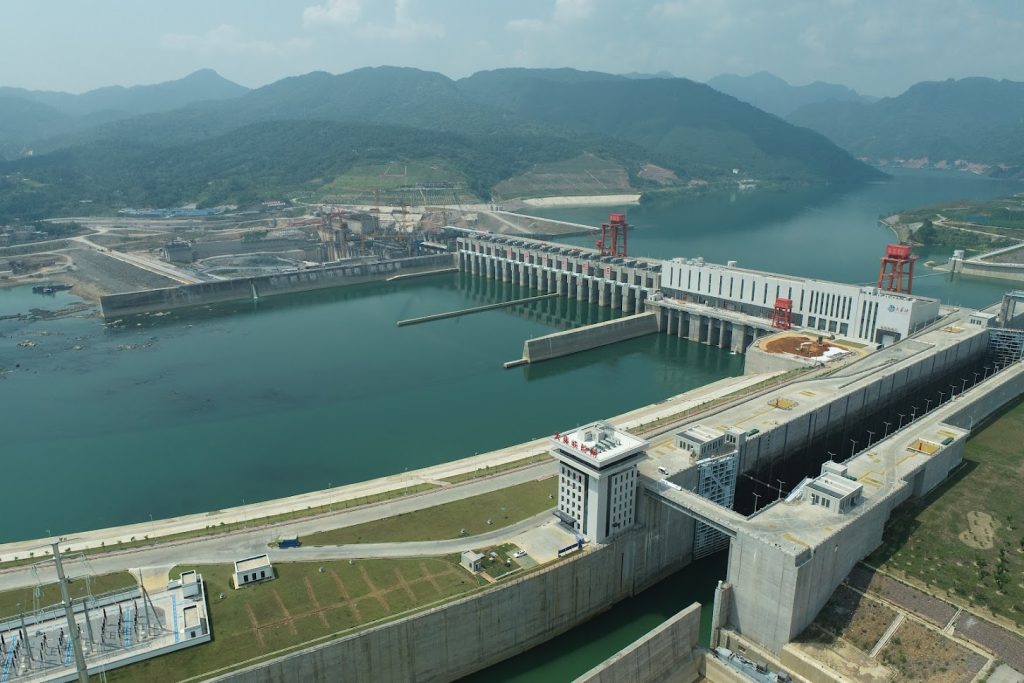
{"x":198,"y":521}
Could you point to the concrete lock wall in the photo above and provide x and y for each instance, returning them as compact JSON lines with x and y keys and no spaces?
{"x":669,"y":653}
{"x":242,"y":289}
{"x":464,"y":636}
{"x":772,"y":444}
{"x":1002,"y":389}
{"x":589,"y":337}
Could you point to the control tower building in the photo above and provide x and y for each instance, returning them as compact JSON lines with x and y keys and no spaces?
{"x":597,"y":479}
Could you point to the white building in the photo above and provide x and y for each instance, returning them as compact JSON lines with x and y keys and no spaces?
{"x":252,"y":570}
{"x":473,"y":561}
{"x":597,"y":479}
{"x":833,"y":490}
{"x":864,"y":313}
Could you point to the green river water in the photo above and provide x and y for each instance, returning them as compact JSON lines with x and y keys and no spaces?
{"x":160,"y":416}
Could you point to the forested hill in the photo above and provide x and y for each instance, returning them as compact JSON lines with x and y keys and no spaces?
{"x":488,"y":128}
{"x":700,"y":130}
{"x":269,"y":159}
{"x":977,"y":120}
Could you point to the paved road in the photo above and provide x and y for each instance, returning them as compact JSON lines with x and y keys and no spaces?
{"x":237,"y":545}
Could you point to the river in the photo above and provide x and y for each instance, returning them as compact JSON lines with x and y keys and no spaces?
{"x":109,"y":424}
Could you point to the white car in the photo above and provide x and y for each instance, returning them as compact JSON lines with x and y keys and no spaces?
{"x":519,"y":553}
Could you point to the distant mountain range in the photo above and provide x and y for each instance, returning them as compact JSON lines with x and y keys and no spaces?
{"x":28,"y":116}
{"x":973,"y":123}
{"x":206,"y":139}
{"x":772,"y":94}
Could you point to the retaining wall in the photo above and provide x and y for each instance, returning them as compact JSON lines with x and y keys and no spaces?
{"x":589,"y":337}
{"x":242,"y":289}
{"x":669,"y":653}
{"x":1000,"y":271}
{"x":466,"y":635}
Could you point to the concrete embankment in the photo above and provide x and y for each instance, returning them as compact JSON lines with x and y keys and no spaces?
{"x":475,"y":309}
{"x":585,"y":338}
{"x":464,"y":636}
{"x":244,"y":289}
{"x":668,"y":653}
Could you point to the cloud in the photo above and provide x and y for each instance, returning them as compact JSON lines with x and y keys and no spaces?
{"x":229,"y":39}
{"x":572,"y":10}
{"x":405,"y":26}
{"x":332,"y":12}
{"x":562,"y":13}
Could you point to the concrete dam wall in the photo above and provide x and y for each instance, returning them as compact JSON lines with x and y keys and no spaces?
{"x":592,"y":336}
{"x":243,"y":289}
{"x":466,"y":635}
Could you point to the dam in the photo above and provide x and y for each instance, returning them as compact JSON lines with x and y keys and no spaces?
{"x":785,"y":556}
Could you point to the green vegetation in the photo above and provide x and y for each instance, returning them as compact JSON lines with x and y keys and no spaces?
{"x":15,"y":602}
{"x":471,"y":515}
{"x":308,"y":602}
{"x":491,"y":470}
{"x":976,"y":119}
{"x":974,"y":225}
{"x":583,"y":175}
{"x":250,"y":523}
{"x":322,"y":135}
{"x":686,"y":127}
{"x":965,"y":538}
{"x":504,"y":564}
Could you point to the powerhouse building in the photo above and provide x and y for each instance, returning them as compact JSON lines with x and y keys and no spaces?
{"x":859,"y":312}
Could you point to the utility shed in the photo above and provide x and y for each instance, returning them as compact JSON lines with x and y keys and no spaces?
{"x":252,"y":570}
{"x":472,"y":561}
{"x":833,"y":490}
{"x":700,"y":440}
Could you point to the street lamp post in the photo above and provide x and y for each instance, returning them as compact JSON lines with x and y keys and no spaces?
{"x":887,"y":425}
{"x":871,"y":435}
{"x":927,"y":404}
{"x":853,"y":447}
{"x":901,"y":421}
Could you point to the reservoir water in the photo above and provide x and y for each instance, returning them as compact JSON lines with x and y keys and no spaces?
{"x":108,"y":424}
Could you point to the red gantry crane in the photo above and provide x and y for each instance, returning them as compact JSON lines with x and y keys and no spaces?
{"x":608,"y":245}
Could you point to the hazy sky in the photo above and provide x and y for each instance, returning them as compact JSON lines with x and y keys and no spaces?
{"x":876,"y":46}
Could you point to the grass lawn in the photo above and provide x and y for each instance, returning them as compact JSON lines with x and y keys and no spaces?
{"x":14,"y":602}
{"x":301,"y":605}
{"x":501,"y":507}
{"x":370,"y":177}
{"x":495,"y":567}
{"x":966,"y":537}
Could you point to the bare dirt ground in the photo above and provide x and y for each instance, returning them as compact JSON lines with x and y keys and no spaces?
{"x":920,"y":654}
{"x":798,"y":345}
{"x":96,"y":274}
{"x":859,"y":619}
{"x":981,"y":530}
